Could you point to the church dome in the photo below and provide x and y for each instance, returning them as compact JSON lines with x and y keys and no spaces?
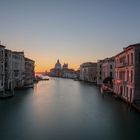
{"x":58,"y":65}
{"x":65,"y":66}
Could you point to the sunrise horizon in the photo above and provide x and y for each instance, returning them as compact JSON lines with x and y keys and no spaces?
{"x":74,"y":31}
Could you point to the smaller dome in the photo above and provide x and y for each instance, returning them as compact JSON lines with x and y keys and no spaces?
{"x":65,"y":66}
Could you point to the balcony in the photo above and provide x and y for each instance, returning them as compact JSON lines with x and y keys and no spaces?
{"x":123,"y":64}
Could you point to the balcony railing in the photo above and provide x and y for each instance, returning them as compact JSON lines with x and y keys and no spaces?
{"x":123,"y":64}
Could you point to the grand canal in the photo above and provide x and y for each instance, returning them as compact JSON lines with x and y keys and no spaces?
{"x":62,"y":109}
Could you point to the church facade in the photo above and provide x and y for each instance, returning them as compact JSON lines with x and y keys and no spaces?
{"x":57,"y":70}
{"x":62,"y":71}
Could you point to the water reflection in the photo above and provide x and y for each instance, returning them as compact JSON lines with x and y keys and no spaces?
{"x":66,"y":109}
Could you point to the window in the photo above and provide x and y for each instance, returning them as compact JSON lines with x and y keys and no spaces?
{"x":122,"y":75}
{"x":130,"y":94}
{"x":139,"y":57}
{"x":2,"y":68}
{"x":116,"y":76}
{"x":110,"y":74}
{"x":127,"y":75}
{"x":116,"y":62}
{"x":131,"y":76}
{"x":110,"y":66}
{"x":126,"y":92}
{"x":128,"y":59}
{"x":132,"y":58}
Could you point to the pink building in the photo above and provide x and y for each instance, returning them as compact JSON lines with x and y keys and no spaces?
{"x":105,"y":69}
{"x":127,"y":73}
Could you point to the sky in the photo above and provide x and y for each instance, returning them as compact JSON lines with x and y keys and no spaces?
{"x":73,"y":31}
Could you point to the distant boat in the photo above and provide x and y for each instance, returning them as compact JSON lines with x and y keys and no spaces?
{"x":42,"y":77}
{"x":29,"y":86}
{"x":45,"y":78}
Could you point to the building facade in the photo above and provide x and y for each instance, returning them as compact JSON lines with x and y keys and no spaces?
{"x":18,"y":67}
{"x":15,"y":70}
{"x":9,"y":73}
{"x":29,"y":72}
{"x":127,"y":73}
{"x":69,"y":73}
{"x":2,"y":67}
{"x":57,"y":70}
{"x":88,"y":72}
{"x":105,"y":69}
{"x":63,"y":71}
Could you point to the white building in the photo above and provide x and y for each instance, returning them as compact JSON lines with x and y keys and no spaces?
{"x":18,"y":66}
{"x":69,"y":73}
{"x":8,"y":70}
{"x":127,"y":73}
{"x":2,"y":67}
{"x":58,"y":65}
{"x":29,"y":72}
{"x":13,"y":68}
{"x":88,"y":72}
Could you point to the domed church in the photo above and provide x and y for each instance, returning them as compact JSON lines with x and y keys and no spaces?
{"x":62,"y":71}
{"x":58,"y":65}
{"x":57,"y":71}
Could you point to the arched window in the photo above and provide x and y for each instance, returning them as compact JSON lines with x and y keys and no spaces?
{"x":131,"y":76}
{"x":132,"y":59}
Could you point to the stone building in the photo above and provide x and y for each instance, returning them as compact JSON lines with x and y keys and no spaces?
{"x":57,"y":70}
{"x":2,"y":67}
{"x":105,"y":69}
{"x":18,"y":67}
{"x":65,"y":66}
{"x":88,"y":72}
{"x":127,"y":73}
{"x":9,"y":73}
{"x":13,"y":67}
{"x":29,"y":72}
{"x":63,"y":71}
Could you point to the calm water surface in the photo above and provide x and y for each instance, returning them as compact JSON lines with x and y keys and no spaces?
{"x":61,"y":109}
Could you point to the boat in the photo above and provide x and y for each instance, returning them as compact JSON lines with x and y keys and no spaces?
{"x":29,"y":86}
{"x":44,"y":78}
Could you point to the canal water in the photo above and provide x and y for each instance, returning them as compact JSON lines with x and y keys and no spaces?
{"x":62,"y":109}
